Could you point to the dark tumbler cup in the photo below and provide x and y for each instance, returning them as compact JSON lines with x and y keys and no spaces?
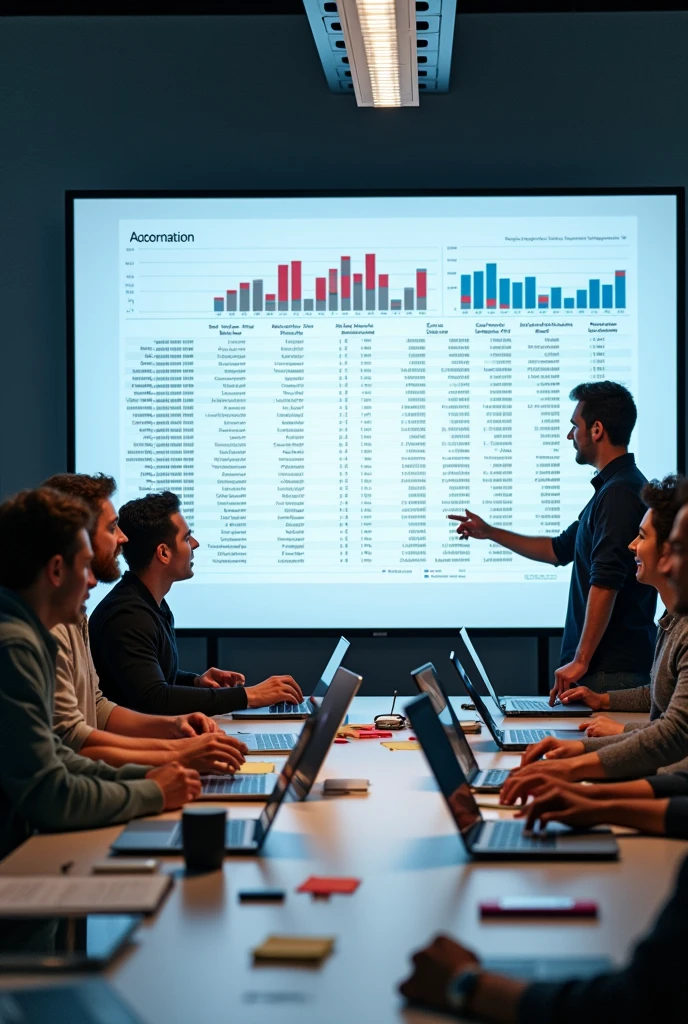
{"x":203,"y":838}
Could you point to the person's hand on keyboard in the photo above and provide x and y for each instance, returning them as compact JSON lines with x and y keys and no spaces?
{"x":552,"y":749}
{"x":523,"y":781}
{"x":274,"y":690}
{"x":596,"y":701}
{"x":561,"y":801}
{"x":218,"y":677}
{"x":601,"y":726}
{"x":213,"y":754}
{"x":179,"y":785}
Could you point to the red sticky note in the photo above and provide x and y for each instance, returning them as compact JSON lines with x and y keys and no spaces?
{"x":327,"y":886}
{"x":373,"y":734}
{"x":341,"y":739}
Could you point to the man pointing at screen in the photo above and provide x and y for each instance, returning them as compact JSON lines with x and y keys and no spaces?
{"x":610,"y":630}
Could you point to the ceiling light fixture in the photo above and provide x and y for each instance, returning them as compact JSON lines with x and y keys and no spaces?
{"x":380,"y":40}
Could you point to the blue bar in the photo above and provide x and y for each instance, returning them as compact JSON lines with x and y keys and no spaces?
{"x":607,"y":296}
{"x":568,"y":303}
{"x":517,"y":295}
{"x":543,"y":301}
{"x":581,"y":299}
{"x":531,"y":302}
{"x":556,"y":298}
{"x":218,"y":305}
{"x":478,"y":289}
{"x":504,"y":292}
{"x":594,"y":294}
{"x":465,"y":291}
{"x":491,"y":283}
{"x":620,"y":288}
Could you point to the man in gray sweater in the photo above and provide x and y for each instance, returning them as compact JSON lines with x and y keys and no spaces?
{"x":45,"y":577}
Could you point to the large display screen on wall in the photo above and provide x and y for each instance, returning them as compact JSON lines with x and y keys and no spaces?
{"x":323,"y":378}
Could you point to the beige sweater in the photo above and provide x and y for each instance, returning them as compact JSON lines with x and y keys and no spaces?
{"x":80,"y":706}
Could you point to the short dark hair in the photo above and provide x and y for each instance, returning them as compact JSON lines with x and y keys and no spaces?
{"x":34,"y":527}
{"x":610,"y":403}
{"x":663,"y":497}
{"x":93,"y":490}
{"x":147,"y":523}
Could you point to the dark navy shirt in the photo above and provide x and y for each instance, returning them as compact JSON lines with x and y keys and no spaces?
{"x":134,"y":649}
{"x":597,"y":544}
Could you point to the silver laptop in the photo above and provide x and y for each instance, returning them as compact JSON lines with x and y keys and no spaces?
{"x":527,"y":707}
{"x":512,"y":739}
{"x":306,"y":707}
{"x":504,"y":838}
{"x":247,"y":835}
{"x":489,"y":780}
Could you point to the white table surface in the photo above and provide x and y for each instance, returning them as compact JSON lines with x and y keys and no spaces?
{"x":192,"y":961}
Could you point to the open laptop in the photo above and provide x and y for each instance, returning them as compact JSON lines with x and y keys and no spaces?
{"x":511,"y":739}
{"x":247,"y":835}
{"x":490,"y":780}
{"x":306,"y":707}
{"x":527,"y":707}
{"x":504,"y":838}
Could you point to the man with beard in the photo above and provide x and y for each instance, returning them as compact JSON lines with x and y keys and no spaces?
{"x":609,"y":633}
{"x":84,"y":719}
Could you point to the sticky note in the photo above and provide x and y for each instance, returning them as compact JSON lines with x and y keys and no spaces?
{"x":294,"y":947}
{"x":256,"y":768}
{"x":327,"y":886}
{"x":402,"y":745}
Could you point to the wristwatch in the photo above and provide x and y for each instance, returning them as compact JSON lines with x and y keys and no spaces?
{"x":460,"y":988}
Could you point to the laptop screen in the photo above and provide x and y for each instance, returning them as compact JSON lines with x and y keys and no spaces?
{"x":329,"y":717}
{"x":444,"y":766}
{"x":331,"y":667}
{"x":480,"y":704}
{"x":478,"y":666}
{"x":427,"y":681}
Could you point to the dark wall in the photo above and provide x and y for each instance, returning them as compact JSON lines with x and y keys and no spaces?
{"x":241,"y":102}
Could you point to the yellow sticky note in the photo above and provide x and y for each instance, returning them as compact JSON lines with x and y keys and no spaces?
{"x":402,"y":745}
{"x":256,"y":768}
{"x":293,"y":947}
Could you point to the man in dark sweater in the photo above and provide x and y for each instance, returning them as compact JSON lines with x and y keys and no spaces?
{"x":45,"y":577}
{"x":132,"y":630}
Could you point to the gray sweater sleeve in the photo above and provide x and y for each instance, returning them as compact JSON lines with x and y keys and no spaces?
{"x":50,"y":786}
{"x":661,"y":742}
{"x":637,"y":698}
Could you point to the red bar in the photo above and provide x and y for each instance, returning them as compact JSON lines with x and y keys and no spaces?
{"x":465,"y":298}
{"x":543,"y":298}
{"x":358,"y":278}
{"x":269,"y":298}
{"x":333,"y":282}
{"x":296,"y":279}
{"x":320,"y":289}
{"x":346,"y":277}
{"x":491,"y":303}
{"x":422,"y":284}
{"x":231,"y":291}
{"x":383,"y":280}
{"x":283,"y":282}
{"x":370,"y":271}
{"x":244,"y":285}
{"x":219,"y":298}
{"x":619,"y":273}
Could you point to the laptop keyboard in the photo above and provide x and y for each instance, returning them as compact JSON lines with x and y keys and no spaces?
{"x":245,"y":785}
{"x":493,"y":777}
{"x":527,"y":735}
{"x":304,"y":708}
{"x":269,"y":741}
{"x":526,"y":705}
{"x":509,"y":835}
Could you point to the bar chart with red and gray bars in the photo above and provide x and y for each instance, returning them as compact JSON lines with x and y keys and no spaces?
{"x":485,"y":289}
{"x":339,"y":290}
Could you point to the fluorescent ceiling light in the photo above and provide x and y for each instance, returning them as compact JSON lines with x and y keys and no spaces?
{"x":381,"y":43}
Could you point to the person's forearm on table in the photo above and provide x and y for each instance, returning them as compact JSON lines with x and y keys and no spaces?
{"x":639,"y":789}
{"x":135,"y":724}
{"x":644,"y":815}
{"x":98,"y":738}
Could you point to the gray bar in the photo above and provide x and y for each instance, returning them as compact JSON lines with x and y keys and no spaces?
{"x":345,"y":272}
{"x":383,"y":298}
{"x":346,"y":305}
{"x":320,"y":305}
{"x":282,"y":304}
{"x":244,"y":297}
{"x":408,"y":298}
{"x":269,"y":305}
{"x":218,"y":305}
{"x":396,"y":303}
{"x":332,"y":301}
{"x":231,"y":302}
{"x":296,"y":305}
{"x":308,"y":305}
{"x":257,"y":296}
{"x":421,"y":302}
{"x":358,"y":294}
{"x":370,"y":298}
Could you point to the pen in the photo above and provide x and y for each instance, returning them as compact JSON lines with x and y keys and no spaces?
{"x":66,"y":867}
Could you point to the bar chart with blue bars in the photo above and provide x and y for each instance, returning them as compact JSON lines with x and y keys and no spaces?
{"x":488,"y":289}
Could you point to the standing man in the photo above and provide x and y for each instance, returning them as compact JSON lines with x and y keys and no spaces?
{"x":609,"y":632}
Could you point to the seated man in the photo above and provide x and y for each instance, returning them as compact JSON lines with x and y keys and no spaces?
{"x":45,"y":574}
{"x":653,"y":985}
{"x":84,"y":719}
{"x":132,"y":629}
{"x":661,"y":743}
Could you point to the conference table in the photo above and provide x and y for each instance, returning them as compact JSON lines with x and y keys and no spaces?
{"x":193,"y":960}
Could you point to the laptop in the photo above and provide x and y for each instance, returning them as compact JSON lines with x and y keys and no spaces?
{"x":247,"y":835}
{"x":306,"y":707}
{"x":503,"y":839}
{"x":488,"y":781}
{"x":527,"y":707}
{"x":511,"y":739}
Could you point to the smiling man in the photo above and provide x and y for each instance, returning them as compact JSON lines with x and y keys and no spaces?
{"x":132,"y":629}
{"x":609,"y":631}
